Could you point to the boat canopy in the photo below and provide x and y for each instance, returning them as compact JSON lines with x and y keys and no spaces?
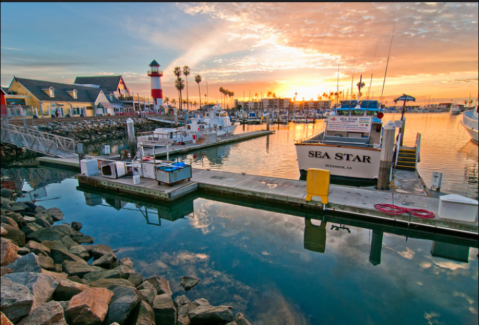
{"x":349,"y":103}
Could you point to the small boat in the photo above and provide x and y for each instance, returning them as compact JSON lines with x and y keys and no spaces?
{"x":470,"y":123}
{"x":455,"y":110}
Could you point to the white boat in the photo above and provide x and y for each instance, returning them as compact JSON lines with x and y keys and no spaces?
{"x":349,"y":147}
{"x":455,"y":110}
{"x":470,"y":123}
{"x":214,"y":118}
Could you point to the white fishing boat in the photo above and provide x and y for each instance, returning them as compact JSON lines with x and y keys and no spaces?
{"x":470,"y":123}
{"x":349,"y":147}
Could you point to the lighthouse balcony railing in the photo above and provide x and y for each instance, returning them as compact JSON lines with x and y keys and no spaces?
{"x":155,"y":72}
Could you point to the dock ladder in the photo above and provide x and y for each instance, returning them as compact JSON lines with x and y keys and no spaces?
{"x":408,"y":157}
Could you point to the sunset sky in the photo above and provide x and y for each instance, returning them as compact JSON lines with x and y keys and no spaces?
{"x":258,"y":47}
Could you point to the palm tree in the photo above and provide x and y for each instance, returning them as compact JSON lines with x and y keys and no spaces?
{"x":198,"y":80}
{"x":269,"y":94}
{"x":179,"y":86}
{"x":186,"y":72}
{"x":177,"y":73}
{"x":173,"y":101}
{"x":167,"y":100}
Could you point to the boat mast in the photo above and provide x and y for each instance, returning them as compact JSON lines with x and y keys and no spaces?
{"x":387,"y":64}
{"x":371,"y":82}
{"x":337,"y":88}
{"x":352,"y":77}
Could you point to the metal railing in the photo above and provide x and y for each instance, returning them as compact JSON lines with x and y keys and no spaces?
{"x":34,"y":140}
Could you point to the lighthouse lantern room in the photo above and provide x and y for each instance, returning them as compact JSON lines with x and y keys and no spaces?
{"x":154,"y":73}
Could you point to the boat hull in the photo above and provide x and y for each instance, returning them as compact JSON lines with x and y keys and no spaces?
{"x":341,"y":161}
{"x":470,"y":123}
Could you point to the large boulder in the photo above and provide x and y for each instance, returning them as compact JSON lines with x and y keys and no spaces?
{"x":8,"y":252}
{"x":83,"y":239}
{"x":44,"y":234}
{"x":38,"y":248}
{"x":69,"y":242}
{"x":124,"y":261}
{"x":189,"y":282}
{"x":43,"y":222}
{"x":79,"y":251}
{"x":89,"y":307}
{"x":64,"y":230}
{"x":147,"y":293}
{"x":106,"y":261}
{"x":27,"y":263}
{"x":5,"y":270}
{"x":122,"y":304}
{"x":207,"y":314}
{"x":23,"y":251}
{"x":241,"y":320}
{"x":56,"y":275}
{"x":30,"y":228}
{"x":19,"y":219}
{"x":105,"y":283}
{"x":144,"y":315}
{"x":75,"y":268}
{"x":46,"y":262}
{"x":66,"y":289}
{"x":160,"y":284}
{"x":50,"y":313}
{"x":41,"y":286}
{"x":9,"y":221}
{"x":183,"y":306}
{"x":16,"y":300}
{"x":164,"y":309}
{"x":100,"y":250}
{"x":76,"y":225}
{"x":15,"y":235}
{"x":60,"y":255}
{"x":56,"y":213}
{"x":135,"y":278}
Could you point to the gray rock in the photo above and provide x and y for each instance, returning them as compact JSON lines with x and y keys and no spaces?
{"x":43,"y":222}
{"x":69,"y":242}
{"x":6,"y":193}
{"x":241,"y":320}
{"x":93,"y":276}
{"x":76,"y":225}
{"x":106,"y":261}
{"x":38,"y":248}
{"x":66,"y":289}
{"x":55,"y":244}
{"x":135,"y":278}
{"x":124,"y":261}
{"x":40,"y":209}
{"x":64,"y":230}
{"x":164,"y":309}
{"x":15,"y":235}
{"x":27,"y":263}
{"x":83,"y":239}
{"x":105,"y":283}
{"x":100,"y":250}
{"x":9,"y":221}
{"x":75,"y":268}
{"x":147,"y":292}
{"x":29,"y":219}
{"x":41,"y":286}
{"x":50,"y":313}
{"x":60,"y":255}
{"x":45,"y":216}
{"x":29,"y":228}
{"x":46,"y":262}
{"x":44,"y":234}
{"x":144,"y":314}
{"x":64,"y":305}
{"x":122,"y":304}
{"x":19,"y":219}
{"x":205,"y":314}
{"x":80,"y":251}
{"x":23,"y":251}
{"x":189,"y":282}
{"x":161,"y":285}
{"x":183,"y":306}
{"x":16,"y":300}
{"x":56,"y":213}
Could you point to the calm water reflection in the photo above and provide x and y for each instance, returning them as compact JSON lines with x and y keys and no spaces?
{"x":277,"y":265}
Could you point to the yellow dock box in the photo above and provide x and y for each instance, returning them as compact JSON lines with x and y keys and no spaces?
{"x":317,"y":184}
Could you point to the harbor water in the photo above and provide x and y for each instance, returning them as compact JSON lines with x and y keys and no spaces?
{"x":280,"y":265}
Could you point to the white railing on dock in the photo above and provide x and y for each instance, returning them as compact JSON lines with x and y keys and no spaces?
{"x":41,"y":142}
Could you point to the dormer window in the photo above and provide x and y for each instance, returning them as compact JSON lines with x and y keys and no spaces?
{"x":50,"y":91}
{"x":73,"y":93}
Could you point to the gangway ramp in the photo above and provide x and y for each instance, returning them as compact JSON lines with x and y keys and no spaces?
{"x":37,"y":141}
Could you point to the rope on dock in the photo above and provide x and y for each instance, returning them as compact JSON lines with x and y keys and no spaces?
{"x":394,"y":210}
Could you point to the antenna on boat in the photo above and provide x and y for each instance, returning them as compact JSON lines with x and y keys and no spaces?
{"x":387,"y":64}
{"x":352,"y":77}
{"x":372,"y":72}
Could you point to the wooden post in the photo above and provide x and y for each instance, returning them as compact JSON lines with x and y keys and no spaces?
{"x":387,"y":152}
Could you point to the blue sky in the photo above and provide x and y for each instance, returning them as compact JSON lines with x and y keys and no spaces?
{"x":280,"y":47}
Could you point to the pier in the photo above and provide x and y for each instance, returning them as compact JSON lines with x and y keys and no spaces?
{"x":409,"y":191}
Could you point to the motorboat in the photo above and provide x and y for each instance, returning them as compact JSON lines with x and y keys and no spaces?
{"x":470,"y":123}
{"x":455,"y":110}
{"x":350,"y":145}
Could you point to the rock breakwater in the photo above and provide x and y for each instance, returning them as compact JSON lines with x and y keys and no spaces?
{"x":46,"y":278}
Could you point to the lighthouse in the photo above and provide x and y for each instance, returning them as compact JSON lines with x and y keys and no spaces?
{"x":156,"y":91}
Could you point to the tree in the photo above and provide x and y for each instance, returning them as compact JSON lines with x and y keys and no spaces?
{"x":274,"y":95}
{"x":198,"y":80}
{"x":173,"y":101}
{"x":269,"y":94}
{"x":177,"y":73}
{"x":167,"y":100}
{"x":179,"y":86}
{"x":186,"y":72}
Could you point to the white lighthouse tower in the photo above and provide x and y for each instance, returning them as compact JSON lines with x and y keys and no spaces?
{"x":156,"y":91}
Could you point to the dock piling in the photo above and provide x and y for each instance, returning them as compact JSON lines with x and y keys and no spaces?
{"x":131,"y":137}
{"x":387,"y":152}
